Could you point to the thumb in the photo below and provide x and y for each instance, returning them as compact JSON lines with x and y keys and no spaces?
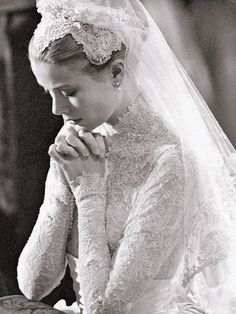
{"x":108,"y":142}
{"x":52,"y":151}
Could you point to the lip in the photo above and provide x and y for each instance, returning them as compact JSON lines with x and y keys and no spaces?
{"x":75,"y":121}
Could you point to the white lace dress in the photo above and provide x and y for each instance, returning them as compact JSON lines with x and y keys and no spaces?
{"x":122,"y":234}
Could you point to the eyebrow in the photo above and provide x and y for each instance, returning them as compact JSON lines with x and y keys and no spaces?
{"x":61,"y":87}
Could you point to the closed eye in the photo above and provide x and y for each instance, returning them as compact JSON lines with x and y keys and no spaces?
{"x":70,"y":93}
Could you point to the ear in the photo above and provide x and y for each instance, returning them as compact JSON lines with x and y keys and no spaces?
{"x":117,"y":70}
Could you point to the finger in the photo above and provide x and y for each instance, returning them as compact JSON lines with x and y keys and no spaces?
{"x":66,"y":130}
{"x":67,"y":150}
{"x":90,"y":141}
{"x":194,"y":310}
{"x":77,"y":144}
{"x":108,"y":142}
{"x":101,"y":142}
{"x":54,"y":154}
{"x":198,"y":310}
{"x":59,"y":139}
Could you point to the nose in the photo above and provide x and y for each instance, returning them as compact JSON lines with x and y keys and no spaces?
{"x":60,"y":104}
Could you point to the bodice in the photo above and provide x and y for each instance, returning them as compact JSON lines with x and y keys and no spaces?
{"x":139,"y":139}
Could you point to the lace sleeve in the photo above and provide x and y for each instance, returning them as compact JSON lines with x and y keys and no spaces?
{"x":153,"y":228}
{"x":41,"y":265}
{"x":94,"y":256}
{"x":151,"y":233}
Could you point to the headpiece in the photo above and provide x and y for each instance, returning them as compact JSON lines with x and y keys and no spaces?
{"x":210,"y":199}
{"x":62,"y":18}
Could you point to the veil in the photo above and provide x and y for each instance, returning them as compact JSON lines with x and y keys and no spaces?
{"x":210,"y":224}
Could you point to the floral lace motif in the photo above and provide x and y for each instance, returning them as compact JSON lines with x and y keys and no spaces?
{"x":91,"y":12}
{"x":140,"y":223}
{"x":58,"y":21}
{"x":139,"y":209}
{"x":141,"y":138}
{"x":42,"y":262}
{"x":206,"y":229}
{"x":153,"y":227}
{"x":88,"y":184}
{"x":94,"y":256}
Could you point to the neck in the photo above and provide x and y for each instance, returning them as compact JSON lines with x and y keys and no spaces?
{"x":126,"y":96}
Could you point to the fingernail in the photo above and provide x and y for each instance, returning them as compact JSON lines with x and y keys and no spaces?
{"x":97,"y":151}
{"x":85,"y":154}
{"x":75,"y":154}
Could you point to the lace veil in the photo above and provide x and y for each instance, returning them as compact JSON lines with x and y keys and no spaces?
{"x":210,"y":238}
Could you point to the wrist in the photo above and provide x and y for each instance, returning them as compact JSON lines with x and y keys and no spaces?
{"x":89,"y":184}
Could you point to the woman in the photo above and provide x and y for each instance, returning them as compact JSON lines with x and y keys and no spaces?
{"x":140,"y":195}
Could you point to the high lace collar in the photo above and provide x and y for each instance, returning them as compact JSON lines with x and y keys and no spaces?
{"x":139,"y":131}
{"x":138,"y":119}
{"x":141,"y":120}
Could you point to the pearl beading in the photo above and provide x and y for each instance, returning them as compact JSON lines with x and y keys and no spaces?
{"x":71,"y":212}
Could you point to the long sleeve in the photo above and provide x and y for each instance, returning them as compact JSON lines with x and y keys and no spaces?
{"x":152,"y":231}
{"x":42,"y":263}
{"x":94,"y":256}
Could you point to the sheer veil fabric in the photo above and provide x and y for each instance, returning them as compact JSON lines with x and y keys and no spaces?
{"x":210,"y":237}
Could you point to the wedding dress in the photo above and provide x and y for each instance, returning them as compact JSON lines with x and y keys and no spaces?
{"x":140,"y":226}
{"x":156,"y":234}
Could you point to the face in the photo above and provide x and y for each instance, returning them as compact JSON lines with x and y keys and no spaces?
{"x":77,"y":95}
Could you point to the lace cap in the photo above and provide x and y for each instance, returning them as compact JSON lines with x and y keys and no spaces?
{"x":59,"y":20}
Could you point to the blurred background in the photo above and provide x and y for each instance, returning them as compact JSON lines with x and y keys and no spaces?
{"x":202,"y":33}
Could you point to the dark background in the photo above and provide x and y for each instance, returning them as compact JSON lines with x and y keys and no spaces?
{"x":24,"y":161}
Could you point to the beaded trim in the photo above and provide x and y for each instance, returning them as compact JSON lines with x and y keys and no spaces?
{"x":71,"y":211}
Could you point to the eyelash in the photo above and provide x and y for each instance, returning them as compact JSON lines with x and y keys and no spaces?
{"x":71,"y":94}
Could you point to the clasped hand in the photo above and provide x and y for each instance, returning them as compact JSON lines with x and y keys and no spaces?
{"x":78,"y":151}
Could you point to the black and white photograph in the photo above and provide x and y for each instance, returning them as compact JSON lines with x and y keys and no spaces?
{"x":117,"y":156}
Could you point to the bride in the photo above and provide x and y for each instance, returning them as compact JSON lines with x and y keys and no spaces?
{"x":140,"y":195}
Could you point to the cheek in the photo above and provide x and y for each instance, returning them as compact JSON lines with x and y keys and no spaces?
{"x":99,"y":111}
{"x":76,"y":102}
{"x":97,"y":104}
{"x":107,"y":103}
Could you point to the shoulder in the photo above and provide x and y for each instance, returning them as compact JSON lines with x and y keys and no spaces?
{"x":169,"y":158}
{"x":167,"y":171}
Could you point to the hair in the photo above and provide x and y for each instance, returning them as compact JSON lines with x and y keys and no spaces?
{"x":66,"y":51}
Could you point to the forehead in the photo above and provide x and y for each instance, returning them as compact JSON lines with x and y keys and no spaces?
{"x":51,"y":75}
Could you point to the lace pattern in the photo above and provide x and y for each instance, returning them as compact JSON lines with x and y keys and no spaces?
{"x":90,"y":12}
{"x":88,"y":184}
{"x":94,"y":256}
{"x":143,"y":222}
{"x":140,"y":133}
{"x":40,"y":273}
{"x":153,"y":227}
{"x":146,"y":221}
{"x":206,"y":238}
{"x":58,"y":21}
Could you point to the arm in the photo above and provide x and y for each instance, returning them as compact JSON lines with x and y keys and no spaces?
{"x":41,"y":265}
{"x":94,"y":256}
{"x":154,"y":226}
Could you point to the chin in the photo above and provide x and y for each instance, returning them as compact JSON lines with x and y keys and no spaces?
{"x":89,"y":126}
{"x":85,"y":127}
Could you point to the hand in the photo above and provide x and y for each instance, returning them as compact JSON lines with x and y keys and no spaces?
{"x":71,"y":142}
{"x":75,"y":166}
